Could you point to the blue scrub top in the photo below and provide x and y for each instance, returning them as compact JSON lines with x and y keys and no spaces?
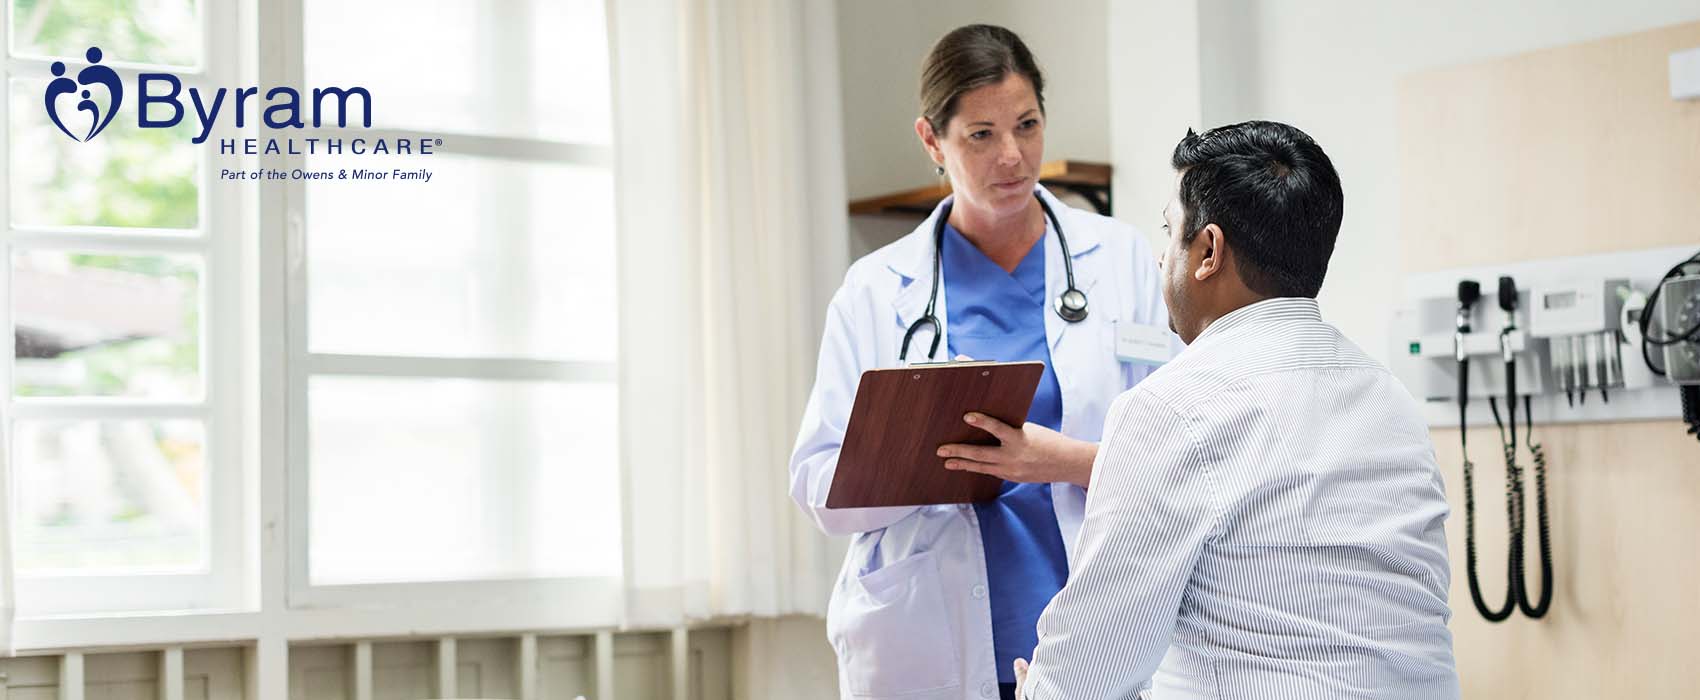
{"x":996,"y":315}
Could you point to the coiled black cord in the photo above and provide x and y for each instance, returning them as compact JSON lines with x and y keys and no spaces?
{"x":1510,"y":604}
{"x":1517,"y":592}
{"x":1691,"y":409}
{"x":1513,"y":506}
{"x":1539,"y":456}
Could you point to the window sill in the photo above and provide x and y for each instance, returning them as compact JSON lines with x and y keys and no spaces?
{"x":59,"y":633}
{"x":596,"y":607}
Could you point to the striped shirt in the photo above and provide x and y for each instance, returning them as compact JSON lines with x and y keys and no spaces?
{"x":1264,"y":521}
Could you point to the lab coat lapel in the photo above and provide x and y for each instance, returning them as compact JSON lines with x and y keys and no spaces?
{"x":914,"y":263}
{"x":1082,"y":241}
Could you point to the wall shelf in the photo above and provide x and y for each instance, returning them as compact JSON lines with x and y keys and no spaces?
{"x":1089,"y":180}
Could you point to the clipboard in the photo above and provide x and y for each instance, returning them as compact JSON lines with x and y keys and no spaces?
{"x":902,"y":416}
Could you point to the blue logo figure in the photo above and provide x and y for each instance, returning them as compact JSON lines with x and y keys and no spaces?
{"x":95,"y":74}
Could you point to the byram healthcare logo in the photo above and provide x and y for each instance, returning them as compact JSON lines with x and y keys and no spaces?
{"x":92,"y":76}
{"x":278,"y":108}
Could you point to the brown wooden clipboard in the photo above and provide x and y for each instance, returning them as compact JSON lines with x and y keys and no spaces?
{"x":902,"y":416}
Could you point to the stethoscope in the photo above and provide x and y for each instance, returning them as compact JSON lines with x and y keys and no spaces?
{"x":1070,"y":305}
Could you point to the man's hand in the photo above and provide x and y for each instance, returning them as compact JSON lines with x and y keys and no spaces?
{"x":1020,"y":678}
{"x":1030,"y":454}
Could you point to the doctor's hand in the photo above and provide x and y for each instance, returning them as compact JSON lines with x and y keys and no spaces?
{"x":1031,"y":453}
{"x":1020,"y":678}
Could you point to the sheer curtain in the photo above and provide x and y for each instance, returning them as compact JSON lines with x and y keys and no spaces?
{"x":8,"y":594}
{"x":732,"y":226}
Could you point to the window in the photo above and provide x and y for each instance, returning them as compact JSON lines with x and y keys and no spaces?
{"x":455,"y":340}
{"x":125,"y":443}
{"x":447,"y":349}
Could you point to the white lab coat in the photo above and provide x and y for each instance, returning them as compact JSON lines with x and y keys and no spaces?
{"x":909,"y":616}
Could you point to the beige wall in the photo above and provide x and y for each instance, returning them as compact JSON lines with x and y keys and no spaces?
{"x":1568,"y":151}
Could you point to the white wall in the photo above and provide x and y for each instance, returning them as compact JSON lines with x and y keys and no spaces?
{"x":1156,"y":93}
{"x":1330,"y":67}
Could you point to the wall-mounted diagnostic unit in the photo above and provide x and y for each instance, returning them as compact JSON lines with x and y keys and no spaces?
{"x":1600,"y":338}
{"x":1593,"y":338}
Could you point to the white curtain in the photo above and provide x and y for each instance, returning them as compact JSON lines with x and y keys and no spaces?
{"x":732,"y":225}
{"x":8,"y":592}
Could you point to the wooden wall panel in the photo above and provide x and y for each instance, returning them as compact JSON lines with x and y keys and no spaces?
{"x":1569,"y":151}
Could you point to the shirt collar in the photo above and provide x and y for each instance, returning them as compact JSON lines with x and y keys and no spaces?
{"x":1277,"y":310}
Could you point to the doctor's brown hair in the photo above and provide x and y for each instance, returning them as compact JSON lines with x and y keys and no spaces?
{"x":972,"y":57}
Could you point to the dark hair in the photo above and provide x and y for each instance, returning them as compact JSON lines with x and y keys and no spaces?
{"x":1275,"y":195}
{"x":971,"y":57}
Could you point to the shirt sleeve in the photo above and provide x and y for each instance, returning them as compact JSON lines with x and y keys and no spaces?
{"x":1149,"y":513}
{"x":814,"y":459}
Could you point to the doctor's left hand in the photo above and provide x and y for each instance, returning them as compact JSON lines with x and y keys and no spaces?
{"x":1031,"y":453}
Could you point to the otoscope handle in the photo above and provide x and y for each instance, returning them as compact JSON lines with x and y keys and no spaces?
{"x":1463,"y":385}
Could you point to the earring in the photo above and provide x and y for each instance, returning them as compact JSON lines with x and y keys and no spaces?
{"x":940,"y":170}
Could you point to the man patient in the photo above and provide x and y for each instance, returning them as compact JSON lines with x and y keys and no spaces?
{"x":1265,"y":514}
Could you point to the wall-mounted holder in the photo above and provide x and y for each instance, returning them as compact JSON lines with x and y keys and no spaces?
{"x":1577,"y":347}
{"x":1685,"y":74}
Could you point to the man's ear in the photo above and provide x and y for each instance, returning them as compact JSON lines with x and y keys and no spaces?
{"x":1212,"y":251}
{"x":929,"y":140}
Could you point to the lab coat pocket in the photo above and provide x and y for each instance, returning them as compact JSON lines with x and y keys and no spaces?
{"x":894,"y":633}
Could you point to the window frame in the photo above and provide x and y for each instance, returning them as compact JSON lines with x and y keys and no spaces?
{"x":261,"y":484}
{"x":582,"y":601}
{"x":223,"y":583}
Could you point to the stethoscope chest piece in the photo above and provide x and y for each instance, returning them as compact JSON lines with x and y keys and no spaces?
{"x":1071,"y":305}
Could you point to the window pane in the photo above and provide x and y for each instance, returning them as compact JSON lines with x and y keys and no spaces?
{"x":124,"y":176}
{"x":99,"y":496}
{"x":164,"y":32}
{"x":519,"y":263}
{"x":431,"y":480}
{"x":536,"y":68}
{"x":98,"y":324}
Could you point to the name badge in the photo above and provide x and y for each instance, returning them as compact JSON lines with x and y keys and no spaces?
{"x":1142,"y":343}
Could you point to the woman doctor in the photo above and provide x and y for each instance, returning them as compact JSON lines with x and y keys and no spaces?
{"x":937,"y":601}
